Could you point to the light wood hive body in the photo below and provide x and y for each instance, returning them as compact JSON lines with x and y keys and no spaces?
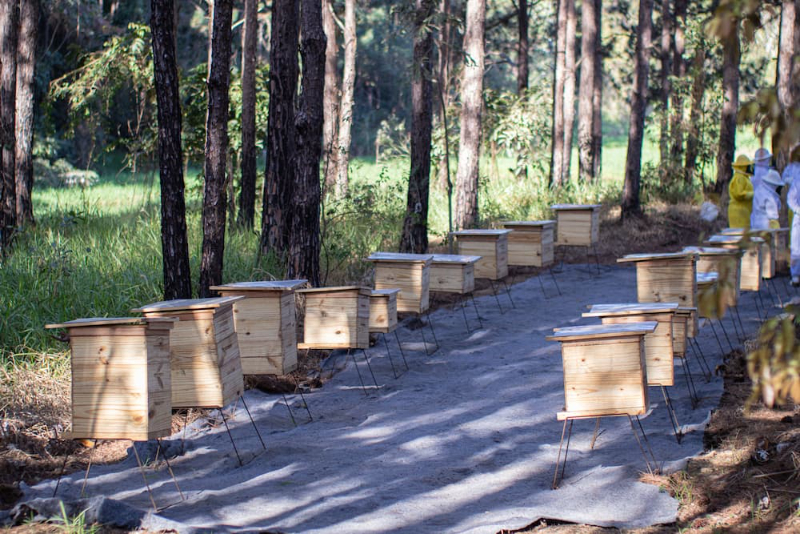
{"x":120,"y":379}
{"x":336,"y":318}
{"x":577,"y":225}
{"x":531,"y":244}
{"x":451,"y":273}
{"x":413,"y":281}
{"x":750,"y":266}
{"x":383,"y":311}
{"x":657,"y":346}
{"x":723,"y":261}
{"x":204,"y":351}
{"x":680,"y":323}
{"x":491,"y":246}
{"x":266,"y":325}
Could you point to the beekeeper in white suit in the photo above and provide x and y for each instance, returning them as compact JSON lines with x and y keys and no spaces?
{"x":791,"y":175}
{"x":761,"y":162}
{"x":767,"y":203}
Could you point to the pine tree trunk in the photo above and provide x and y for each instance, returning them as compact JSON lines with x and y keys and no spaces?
{"x":569,"y":90}
{"x":247,"y":194}
{"x":557,"y":132}
{"x":174,"y":242}
{"x":586,"y":91}
{"x":304,"y":243}
{"x":279,"y":174}
{"x":330,"y":104}
{"x":443,"y":88}
{"x":471,"y":104}
{"x":631,"y":206}
{"x":695,"y":114}
{"x":597,"y":96}
{"x":348,"y":95}
{"x":781,"y":144}
{"x":414,"y":238}
{"x":9,"y":17}
{"x":522,"y":47}
{"x":731,"y":54}
{"x":214,"y":194}
{"x":679,"y":71}
{"x":26,"y":63}
{"x":666,"y":86}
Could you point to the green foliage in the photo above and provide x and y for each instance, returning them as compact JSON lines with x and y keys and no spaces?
{"x":73,"y":525}
{"x":774,"y":365}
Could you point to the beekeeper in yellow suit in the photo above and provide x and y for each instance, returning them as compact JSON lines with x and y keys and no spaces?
{"x":741,"y":193}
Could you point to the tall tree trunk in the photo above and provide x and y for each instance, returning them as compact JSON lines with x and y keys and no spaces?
{"x":783,"y":81}
{"x":586,"y":91}
{"x":330,"y":105}
{"x":26,"y":63}
{"x":247,"y":194}
{"x":415,"y":226}
{"x":9,"y":15}
{"x":279,"y":174}
{"x":597,"y":96}
{"x":471,"y":104}
{"x":679,"y":71}
{"x":557,"y":133}
{"x":304,"y":243}
{"x":731,"y":54}
{"x":174,"y":243}
{"x":214,"y":194}
{"x":522,"y":47}
{"x":631,"y":206}
{"x":569,"y":89}
{"x":666,"y":86}
{"x":348,"y":95}
{"x":696,"y":112}
{"x":443,"y":89}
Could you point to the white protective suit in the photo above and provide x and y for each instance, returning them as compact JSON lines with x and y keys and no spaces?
{"x":766,"y":206}
{"x":761,"y":163}
{"x":792,"y":172}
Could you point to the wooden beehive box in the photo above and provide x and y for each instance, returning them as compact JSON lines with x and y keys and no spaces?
{"x":491,"y":246}
{"x":383,"y":310}
{"x":451,"y":273}
{"x":120,"y":378}
{"x":667,"y":277}
{"x":773,"y":253}
{"x":750,"y":266}
{"x":530,"y":243}
{"x":658,"y":348}
{"x":577,"y":224}
{"x":266,"y":325}
{"x":722,"y":261}
{"x":410,"y":273}
{"x":680,"y":329}
{"x":204,"y":351}
{"x":336,"y":318}
{"x":604,"y":369}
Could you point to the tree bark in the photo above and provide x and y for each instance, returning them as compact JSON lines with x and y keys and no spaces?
{"x":586,"y":91}
{"x":415,"y":226}
{"x":557,"y":132}
{"x":731,"y":55}
{"x":445,"y":61}
{"x":471,"y":104}
{"x":569,"y":89}
{"x":9,"y":17}
{"x":522,"y":47}
{"x":174,"y":243}
{"x":666,"y":86}
{"x":783,"y":81}
{"x":679,"y":71}
{"x":215,"y":194}
{"x":631,"y":206}
{"x":304,"y":243}
{"x":330,"y":104}
{"x":247,"y":194}
{"x":279,"y":174}
{"x":695,"y":114}
{"x":348,"y":94}
{"x":597,"y":96}
{"x":26,"y":63}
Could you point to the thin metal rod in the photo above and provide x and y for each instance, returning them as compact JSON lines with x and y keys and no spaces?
{"x":402,"y":352}
{"x":687,"y":373}
{"x":298,"y":389}
{"x":475,"y":305}
{"x":497,"y":298}
{"x":725,"y":332}
{"x":430,"y":323}
{"x":364,"y":352}
{"x":227,"y":428}
{"x":355,"y":363}
{"x":463,"y":311}
{"x":144,"y":477}
{"x":553,"y":275}
{"x":758,"y":308}
{"x":673,"y":417}
{"x":389,"y":354}
{"x":89,"y":466}
{"x":596,"y":258}
{"x":558,"y":459}
{"x":763,"y":305}
{"x":702,"y":361}
{"x":286,"y":403}
{"x":739,"y":318}
{"x":739,"y":337}
{"x":541,"y":284}
{"x":714,"y":330}
{"x":424,"y":341}
{"x":594,"y":436}
{"x":169,"y":468}
{"x":641,"y":447}
{"x":647,"y":442}
{"x":508,"y":292}
{"x":252,"y":421}
{"x":61,"y":473}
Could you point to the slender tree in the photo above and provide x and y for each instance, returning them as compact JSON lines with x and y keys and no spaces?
{"x":348,"y":99}
{"x":9,"y":15}
{"x":586,"y":91}
{"x":522,"y":47}
{"x":247,"y":193}
{"x":731,"y":55}
{"x":26,"y":63}
{"x":445,"y":59}
{"x":304,"y":244}
{"x":174,"y":243}
{"x":698,"y":94}
{"x":678,"y":71}
{"x":783,"y":79}
{"x":216,"y":149}
{"x":330,"y":103}
{"x":665,"y":57}
{"x":415,"y":226}
{"x":569,"y":89}
{"x":557,"y":133}
{"x":279,"y":174}
{"x":597,"y":95}
{"x":633,"y":164}
{"x":471,"y":103}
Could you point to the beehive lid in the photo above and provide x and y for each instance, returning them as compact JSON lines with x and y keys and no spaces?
{"x":710,"y":251}
{"x":178,"y":305}
{"x":609,"y":310}
{"x":685,"y":310}
{"x":400,"y":258}
{"x":455,"y":258}
{"x":111,"y":321}
{"x":265,"y":285}
{"x":336,"y":289}
{"x":731,"y":239}
{"x":733,"y":231}
{"x":489,"y":231}
{"x":574,"y":206}
{"x":384,"y":292}
{"x":654,"y":256}
{"x":598,"y":331}
{"x":707,"y":278}
{"x":529,"y":223}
